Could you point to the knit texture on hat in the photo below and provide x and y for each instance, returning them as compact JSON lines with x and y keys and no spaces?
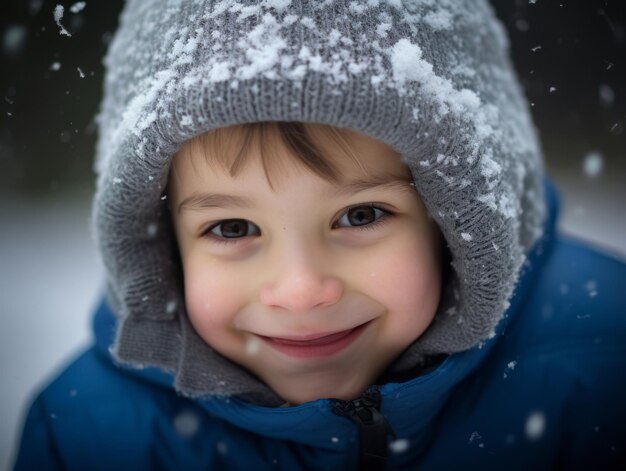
{"x":431,"y":79}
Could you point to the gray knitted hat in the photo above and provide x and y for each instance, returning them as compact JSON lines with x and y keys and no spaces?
{"x":430,"y":78}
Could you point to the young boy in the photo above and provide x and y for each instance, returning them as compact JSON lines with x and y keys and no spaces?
{"x":330,"y":244}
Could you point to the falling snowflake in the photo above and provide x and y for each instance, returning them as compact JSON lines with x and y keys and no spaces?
{"x":535,"y":425}
{"x":186,"y":424}
{"x":171,"y":307}
{"x":252,"y":346}
{"x":591,"y":287}
{"x":510,"y":366}
{"x":152,"y":229}
{"x":58,"y":16}
{"x":476,"y":438}
{"x":222,"y":448}
{"x":593,"y":163}
{"x":77,"y":7}
{"x":400,"y":445}
{"x":606,"y":94}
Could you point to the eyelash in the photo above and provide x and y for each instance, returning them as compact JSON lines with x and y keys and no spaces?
{"x":371,"y":226}
{"x":386,"y":214}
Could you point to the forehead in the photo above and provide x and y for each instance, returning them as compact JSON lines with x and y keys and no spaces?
{"x":373,"y":155}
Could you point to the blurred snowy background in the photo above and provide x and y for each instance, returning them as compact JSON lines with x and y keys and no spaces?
{"x":571,"y":57}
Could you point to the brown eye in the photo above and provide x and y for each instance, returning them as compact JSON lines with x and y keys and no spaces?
{"x":360,"y":216}
{"x":234,"y":229}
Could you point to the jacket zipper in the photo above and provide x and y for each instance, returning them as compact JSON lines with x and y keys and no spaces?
{"x":374,"y":429}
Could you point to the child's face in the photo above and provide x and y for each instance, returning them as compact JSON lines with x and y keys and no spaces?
{"x":313,"y":286}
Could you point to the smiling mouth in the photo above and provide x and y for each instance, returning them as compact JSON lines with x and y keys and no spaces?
{"x":316,"y":345}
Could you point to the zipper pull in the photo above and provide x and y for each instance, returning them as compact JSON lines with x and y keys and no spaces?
{"x":374,"y":429}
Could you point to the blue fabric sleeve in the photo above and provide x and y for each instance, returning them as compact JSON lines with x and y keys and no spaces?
{"x":37,"y":449}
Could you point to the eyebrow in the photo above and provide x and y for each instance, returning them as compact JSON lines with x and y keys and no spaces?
{"x":201,"y":201}
{"x":391,"y":182}
{"x":213,"y":200}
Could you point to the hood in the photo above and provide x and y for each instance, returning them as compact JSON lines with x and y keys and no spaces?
{"x":430,"y":79}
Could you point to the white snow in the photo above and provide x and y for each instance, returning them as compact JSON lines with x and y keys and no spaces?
{"x":152,"y":231}
{"x":466,"y":236}
{"x":401,"y":445}
{"x":58,"y":16}
{"x":535,"y":425}
{"x":252,"y":346}
{"x":489,"y":199}
{"x":408,"y":66}
{"x":263,"y":47}
{"x":78,"y":7}
{"x":593,"y":163}
{"x":278,"y":5}
{"x":591,"y":286}
{"x":220,"y":72}
{"x":55,"y":66}
{"x":606,"y":94}
{"x":186,"y":424}
{"x":308,"y":22}
{"x":80,"y":72}
{"x":356,"y":8}
{"x":248,"y":11}
{"x":406,"y":62}
{"x":172,"y":305}
{"x":382,"y":29}
{"x":475,"y":437}
{"x":489,"y":167}
{"x":131,"y":119}
{"x":510,"y":366}
{"x":13,"y":41}
{"x":438,"y":19}
{"x":464,"y":70}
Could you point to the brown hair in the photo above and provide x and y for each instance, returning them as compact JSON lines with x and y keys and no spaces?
{"x":231,"y":149}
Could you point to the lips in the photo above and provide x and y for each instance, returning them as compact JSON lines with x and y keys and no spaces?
{"x":317,"y":345}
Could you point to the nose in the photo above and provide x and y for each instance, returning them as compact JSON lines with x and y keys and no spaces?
{"x":301,"y":285}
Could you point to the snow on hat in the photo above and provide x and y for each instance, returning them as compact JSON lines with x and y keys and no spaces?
{"x":431,"y":79}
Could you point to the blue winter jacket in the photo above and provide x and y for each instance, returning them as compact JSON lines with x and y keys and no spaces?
{"x":546,"y":392}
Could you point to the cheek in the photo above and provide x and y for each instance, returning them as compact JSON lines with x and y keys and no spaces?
{"x":408,"y":283}
{"x":212,"y":301}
